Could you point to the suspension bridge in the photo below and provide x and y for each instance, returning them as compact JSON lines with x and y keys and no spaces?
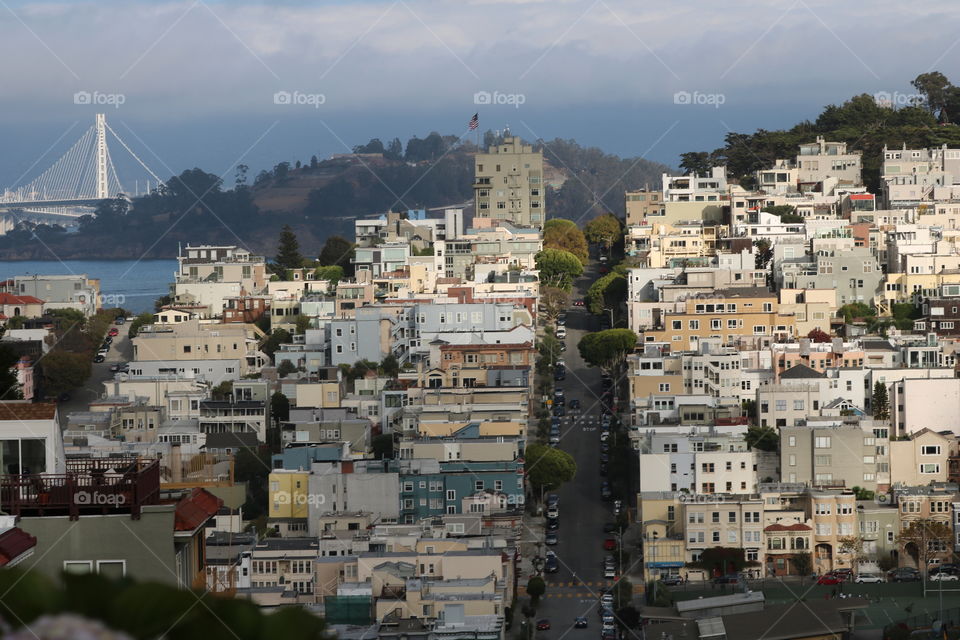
{"x":74,"y":185}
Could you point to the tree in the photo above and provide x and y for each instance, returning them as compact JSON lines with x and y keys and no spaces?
{"x":554,"y":300}
{"x":536,"y":587}
{"x":567,"y":236}
{"x":222,"y":391}
{"x":140,"y":321}
{"x":854,"y":311}
{"x":923,"y":539}
{"x":332,"y":273}
{"x":288,"y":251}
{"x":935,"y":88}
{"x":548,"y":468}
{"x":762,"y":438}
{"x":279,"y":407}
{"x":607,"y":349}
{"x":607,"y":292}
{"x":802,"y":563}
{"x":722,"y":560}
{"x":285,"y":368}
{"x":818,"y":335}
{"x":785,"y":212}
{"x":696,"y":162}
{"x":390,"y":367}
{"x":274,"y":340}
{"x":558,"y":268}
{"x":880,"y":402}
{"x":852,"y":546}
{"x":9,"y":387}
{"x":337,"y":251}
{"x":63,"y":371}
{"x":763,"y":252}
{"x":603,"y":230}
{"x":301,"y":324}
{"x":622,"y":594}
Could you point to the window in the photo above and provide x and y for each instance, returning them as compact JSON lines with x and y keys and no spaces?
{"x":929,"y":468}
{"x":930,"y":450}
{"x":715,"y":537}
{"x":823,"y":509}
{"x":822,"y":442}
{"x":798,"y":405}
{"x":695,"y":536}
{"x":677,"y":325}
{"x":664,"y":387}
{"x":731,"y":516}
{"x":822,"y":461}
{"x":478,"y":485}
{"x":451,"y":494}
{"x":78,"y":566}
{"x":781,"y":405}
{"x":695,"y":518}
{"x":731,"y":536}
{"x":824,"y":529}
{"x":694,"y":325}
{"x":715,"y":517}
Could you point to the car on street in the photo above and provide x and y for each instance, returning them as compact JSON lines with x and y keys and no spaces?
{"x":609,"y":625}
{"x":551,"y":539}
{"x":608,"y":635}
{"x":563,"y":346}
{"x":606,"y":600}
{"x":868,"y":578}
{"x":602,"y":469}
{"x":604,"y":435}
{"x":99,"y":358}
{"x":604,"y":458}
{"x":120,"y":320}
{"x":561,"y":332}
{"x":562,"y":319}
{"x":610,"y":544}
{"x":114,"y":331}
{"x":559,"y":411}
{"x":943,"y":576}
{"x":552,"y":565}
{"x":903,"y":574}
{"x":671,"y":580}
{"x":559,"y":375}
{"x":844,"y":573}
{"x":553,"y":511}
{"x":604,"y":446}
{"x":609,"y":527}
{"x":609,"y":572}
{"x":579,"y":303}
{"x":553,"y":500}
{"x":555,"y":438}
{"x":617,"y":507}
{"x":543,"y":624}
{"x":575,"y":403}
{"x":605,"y":490}
{"x":580,"y":622}
{"x":553,"y":524}
{"x":829,"y":578}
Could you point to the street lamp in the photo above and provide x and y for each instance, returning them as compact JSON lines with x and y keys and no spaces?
{"x":611,"y":315}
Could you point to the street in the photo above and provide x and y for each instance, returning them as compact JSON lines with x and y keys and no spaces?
{"x":121,"y":351}
{"x":583,"y":514}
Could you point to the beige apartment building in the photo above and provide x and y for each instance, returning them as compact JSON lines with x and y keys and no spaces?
{"x":920,"y":459}
{"x":643,"y":204}
{"x":508,"y":184}
{"x":722,"y":521}
{"x":811,"y":308}
{"x":192,"y":340}
{"x":729,"y":314}
{"x":837,"y":455}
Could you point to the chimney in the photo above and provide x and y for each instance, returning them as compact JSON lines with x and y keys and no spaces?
{"x":805,"y":348}
{"x":176,"y":463}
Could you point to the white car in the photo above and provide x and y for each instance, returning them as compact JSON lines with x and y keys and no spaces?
{"x":553,"y":512}
{"x":561,"y":332}
{"x":868,"y":578}
{"x":943,"y":576}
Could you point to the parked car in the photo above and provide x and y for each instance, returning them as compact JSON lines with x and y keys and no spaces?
{"x":609,"y":572}
{"x":553,"y":500}
{"x":561,"y":332}
{"x":551,"y":539}
{"x":543,"y":624}
{"x":580,"y":622}
{"x":114,"y":331}
{"x":617,"y":507}
{"x":552,"y":565}
{"x":610,"y":544}
{"x":943,"y":576}
{"x":559,"y":411}
{"x":868,"y":578}
{"x":553,"y":524}
{"x":903,"y":574}
{"x":553,"y":511}
{"x":844,"y":573}
{"x":562,"y":319}
{"x":575,"y":403}
{"x":609,"y":527}
{"x":579,"y":303}
{"x":602,"y":469}
{"x":671,"y":580}
{"x":120,"y":320}
{"x":99,"y":358}
{"x":829,"y":578}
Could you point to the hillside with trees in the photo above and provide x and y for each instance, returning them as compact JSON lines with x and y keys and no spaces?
{"x":320,"y":198}
{"x":865,"y":123}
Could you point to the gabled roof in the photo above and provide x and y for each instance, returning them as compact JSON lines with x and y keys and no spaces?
{"x":195,"y":509}
{"x":15,"y":544}
{"x":9,"y":298}
{"x":800,"y":372}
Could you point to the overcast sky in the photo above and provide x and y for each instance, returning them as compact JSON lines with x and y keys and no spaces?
{"x":211,"y":84}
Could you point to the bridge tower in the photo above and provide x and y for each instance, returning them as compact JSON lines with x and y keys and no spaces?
{"x":103,"y":190}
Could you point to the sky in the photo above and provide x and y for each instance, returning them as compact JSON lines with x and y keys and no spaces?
{"x":211,"y":84}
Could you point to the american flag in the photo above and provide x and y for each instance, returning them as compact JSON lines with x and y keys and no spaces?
{"x":474,"y":121}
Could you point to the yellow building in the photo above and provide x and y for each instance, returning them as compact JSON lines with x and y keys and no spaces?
{"x":508,"y":184}
{"x":811,"y":308}
{"x":642,"y":204}
{"x":728,"y":314}
{"x":289,"y":496}
{"x":660,"y":515}
{"x":662,"y":245}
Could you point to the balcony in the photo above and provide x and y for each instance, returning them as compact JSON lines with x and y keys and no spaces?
{"x":91,"y":486}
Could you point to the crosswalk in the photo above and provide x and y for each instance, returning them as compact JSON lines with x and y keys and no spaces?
{"x":576,"y":589}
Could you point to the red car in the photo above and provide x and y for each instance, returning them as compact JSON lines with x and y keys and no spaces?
{"x":114,"y":331}
{"x":829,"y":578}
{"x":609,"y":544}
{"x":543,"y":625}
